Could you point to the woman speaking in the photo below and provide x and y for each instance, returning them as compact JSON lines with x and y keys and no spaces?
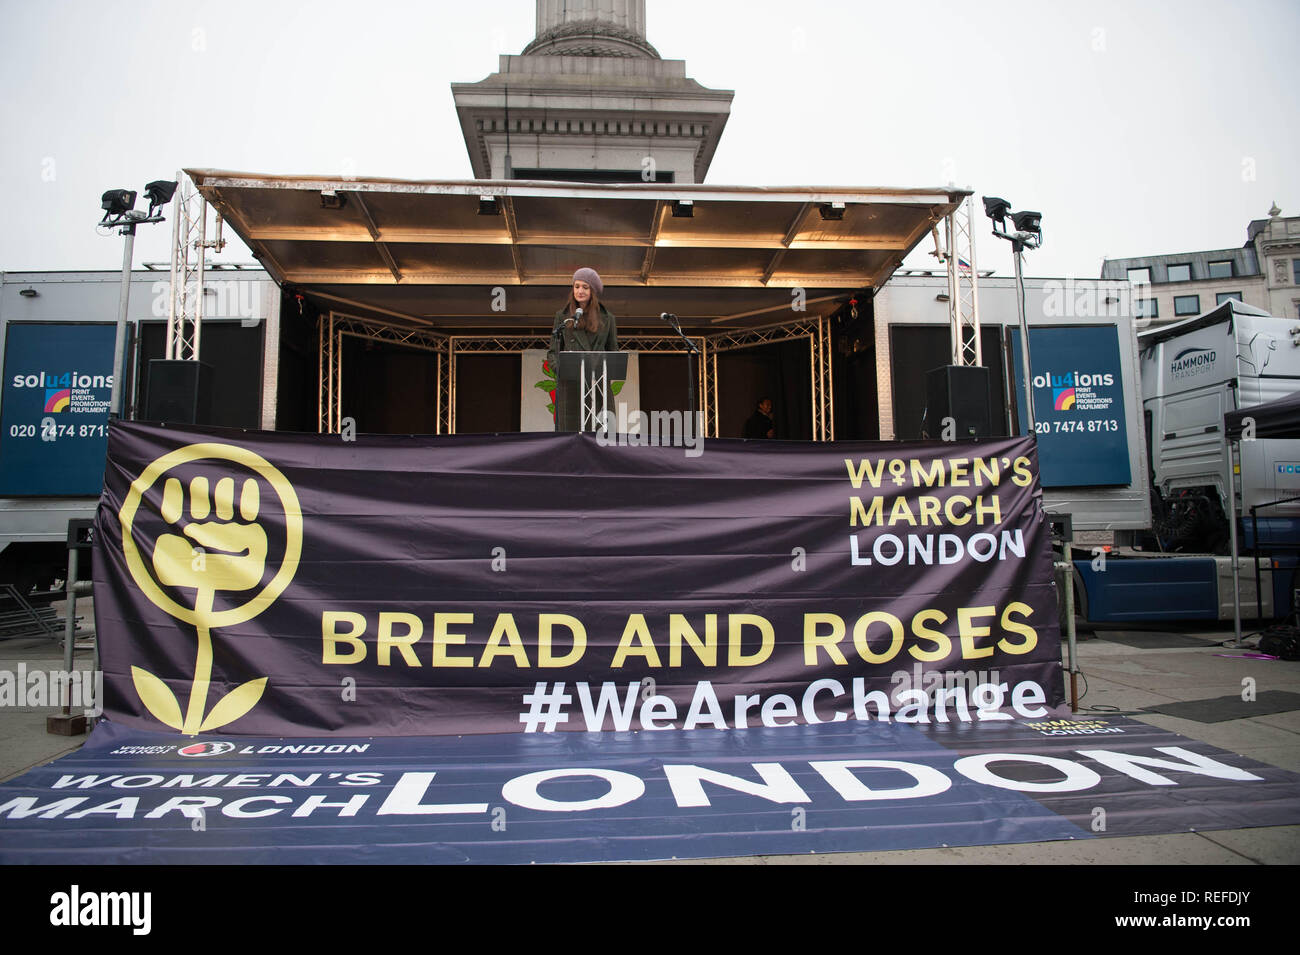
{"x":582,"y":324}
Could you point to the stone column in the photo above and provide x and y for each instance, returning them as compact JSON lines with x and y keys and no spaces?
{"x":591,"y":28}
{"x":628,"y":15}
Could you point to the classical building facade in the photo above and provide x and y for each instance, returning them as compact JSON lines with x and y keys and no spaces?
{"x":1264,"y":272}
{"x":590,"y":99}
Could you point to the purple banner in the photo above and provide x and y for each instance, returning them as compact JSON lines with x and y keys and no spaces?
{"x":287,"y":585}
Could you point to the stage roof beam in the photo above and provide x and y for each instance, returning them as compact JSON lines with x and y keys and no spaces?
{"x":421,"y":248}
{"x":374,"y":234}
{"x":512,"y":226}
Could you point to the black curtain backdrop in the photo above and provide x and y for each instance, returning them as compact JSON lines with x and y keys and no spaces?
{"x":663,"y":382}
{"x":916,"y":349}
{"x":233,"y":351}
{"x":297,"y":397}
{"x":779,"y":371}
{"x":388,"y":389}
{"x":853,"y":358}
{"x":487,"y":393}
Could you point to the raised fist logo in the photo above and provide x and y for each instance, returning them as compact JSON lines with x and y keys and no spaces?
{"x":217,"y":553}
{"x":206,"y":546}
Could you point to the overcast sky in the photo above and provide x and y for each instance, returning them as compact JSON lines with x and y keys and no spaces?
{"x":1135,"y":127}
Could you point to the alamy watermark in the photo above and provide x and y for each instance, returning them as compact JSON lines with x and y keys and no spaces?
{"x":80,"y":689}
{"x":81,"y":907}
{"x":1087,"y":299}
{"x":226,"y":299}
{"x":928,"y":682}
{"x":657,"y":429}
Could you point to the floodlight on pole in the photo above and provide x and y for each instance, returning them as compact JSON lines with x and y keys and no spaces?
{"x":1028,"y":235}
{"x":1028,"y":222}
{"x":159,"y":193}
{"x":120,"y":212}
{"x":117,"y":203}
{"x":996,"y":209}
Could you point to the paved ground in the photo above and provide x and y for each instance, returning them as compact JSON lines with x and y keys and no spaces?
{"x":1120,"y":679}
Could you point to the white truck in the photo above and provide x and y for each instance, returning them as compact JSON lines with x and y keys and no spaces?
{"x":1193,"y":372}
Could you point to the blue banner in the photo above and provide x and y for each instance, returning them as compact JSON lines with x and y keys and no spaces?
{"x":1079,"y":412}
{"x":137,"y":797}
{"x":58,"y":379}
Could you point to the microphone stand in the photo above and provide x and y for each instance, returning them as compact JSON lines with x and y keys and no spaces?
{"x":691,"y":352}
{"x":557,"y":333}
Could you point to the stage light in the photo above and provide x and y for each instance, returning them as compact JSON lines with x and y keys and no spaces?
{"x":28,"y":292}
{"x":1028,"y":221}
{"x":995,"y":208}
{"x":120,"y":213}
{"x":1028,"y":235}
{"x":159,"y":193}
{"x":117,"y":202}
{"x":488,"y":206}
{"x":684,"y":209}
{"x":329,"y":199}
{"x":831,"y":211}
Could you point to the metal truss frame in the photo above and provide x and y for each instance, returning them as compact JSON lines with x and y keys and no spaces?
{"x":823,"y":385}
{"x":814,"y":329}
{"x":475,"y":344}
{"x":189,"y":247}
{"x":517,"y":344}
{"x":817,"y":331}
{"x":333,"y":326}
{"x":963,"y":287}
{"x":330,"y":370}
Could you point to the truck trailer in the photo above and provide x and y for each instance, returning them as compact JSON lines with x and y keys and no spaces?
{"x":1193,"y":373}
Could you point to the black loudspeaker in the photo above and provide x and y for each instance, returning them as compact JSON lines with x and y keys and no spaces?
{"x":179,"y":392}
{"x":960,"y":392}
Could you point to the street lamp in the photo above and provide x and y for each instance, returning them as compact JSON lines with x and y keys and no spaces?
{"x":1028,"y":234}
{"x":120,"y":213}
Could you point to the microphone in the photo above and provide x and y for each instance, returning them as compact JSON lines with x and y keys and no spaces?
{"x":577,"y":316}
{"x":666,"y":316}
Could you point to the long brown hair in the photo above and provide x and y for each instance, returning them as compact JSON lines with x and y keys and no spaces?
{"x":592,"y":320}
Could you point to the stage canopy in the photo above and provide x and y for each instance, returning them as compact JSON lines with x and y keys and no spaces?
{"x":427,"y":254}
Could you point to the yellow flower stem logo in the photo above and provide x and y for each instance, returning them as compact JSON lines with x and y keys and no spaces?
{"x":212,"y":552}
{"x":203,"y":666}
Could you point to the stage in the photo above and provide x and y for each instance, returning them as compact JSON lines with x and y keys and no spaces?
{"x":551,"y":648}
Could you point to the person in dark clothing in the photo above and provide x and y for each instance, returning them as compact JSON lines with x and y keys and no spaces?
{"x":583,"y":324}
{"x":760,"y":423}
{"x":596,"y":330}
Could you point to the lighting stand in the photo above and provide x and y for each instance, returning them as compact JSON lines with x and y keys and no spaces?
{"x":1028,"y":235}
{"x":118,"y":214}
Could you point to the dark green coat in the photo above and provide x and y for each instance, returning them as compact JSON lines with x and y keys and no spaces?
{"x":575,"y":339}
